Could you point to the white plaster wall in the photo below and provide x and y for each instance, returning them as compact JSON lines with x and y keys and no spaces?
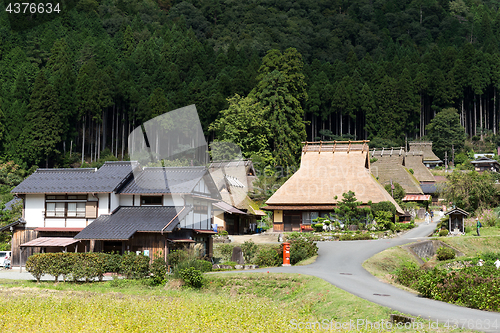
{"x":125,"y":200}
{"x":76,"y":223}
{"x":34,"y":210}
{"x":103,"y":204}
{"x":137,"y":200}
{"x":55,"y":223}
{"x":173,"y":200}
{"x":115,"y":201}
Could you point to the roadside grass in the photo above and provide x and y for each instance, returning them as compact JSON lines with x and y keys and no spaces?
{"x":472,"y":245}
{"x":307,"y":261}
{"x":383,"y":264}
{"x":247,"y":302}
{"x":485,"y":231}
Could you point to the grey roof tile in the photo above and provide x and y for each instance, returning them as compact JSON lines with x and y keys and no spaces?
{"x":108,"y":178}
{"x":168,"y":180}
{"x":126,"y":221}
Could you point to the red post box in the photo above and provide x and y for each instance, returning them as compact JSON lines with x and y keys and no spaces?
{"x":286,"y":254}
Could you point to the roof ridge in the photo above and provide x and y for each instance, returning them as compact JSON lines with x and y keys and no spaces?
{"x":65,"y":169}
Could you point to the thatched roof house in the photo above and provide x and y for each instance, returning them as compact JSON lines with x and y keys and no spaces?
{"x":430,"y":160}
{"x":327,"y":170}
{"x":390,"y":167}
{"x":237,"y":213}
{"x":415,"y":161}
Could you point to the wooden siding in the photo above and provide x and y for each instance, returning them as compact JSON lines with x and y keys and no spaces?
{"x":21,"y":236}
{"x":154,"y":242}
{"x":278,"y":227}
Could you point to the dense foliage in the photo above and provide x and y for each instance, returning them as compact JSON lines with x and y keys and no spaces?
{"x":380,"y":70}
{"x":87,"y":266}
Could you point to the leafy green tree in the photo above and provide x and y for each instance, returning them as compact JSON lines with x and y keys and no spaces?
{"x":470,"y":190}
{"x":445,"y":130}
{"x":245,"y":124}
{"x":399,"y":192}
{"x":349,"y":211}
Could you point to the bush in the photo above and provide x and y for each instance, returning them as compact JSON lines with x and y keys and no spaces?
{"x":302,"y":248}
{"x":249,"y":249}
{"x":192,"y":277}
{"x":88,"y":266}
{"x":36,"y":265}
{"x":443,"y":233}
{"x":268,"y":257}
{"x":409,"y":274}
{"x":226,"y":251}
{"x":383,"y":206}
{"x":318,"y":227}
{"x":159,"y":271}
{"x":201,"y":265}
{"x":384,"y":220}
{"x":175,"y":257}
{"x":135,"y":266}
{"x":59,"y":264}
{"x":113,"y":262}
{"x":445,"y":253}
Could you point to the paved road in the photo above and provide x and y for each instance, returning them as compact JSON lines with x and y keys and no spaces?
{"x":340,"y":264}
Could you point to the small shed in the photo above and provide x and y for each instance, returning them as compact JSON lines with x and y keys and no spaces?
{"x":456,"y":219}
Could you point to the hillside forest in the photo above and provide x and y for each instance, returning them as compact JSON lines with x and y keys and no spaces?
{"x":265,"y":74}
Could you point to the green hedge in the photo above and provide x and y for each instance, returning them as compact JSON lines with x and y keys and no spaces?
{"x":86,"y":266}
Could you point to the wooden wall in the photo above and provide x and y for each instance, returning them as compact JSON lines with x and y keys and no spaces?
{"x":21,"y":236}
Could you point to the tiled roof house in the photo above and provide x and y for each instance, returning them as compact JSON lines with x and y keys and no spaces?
{"x":118,"y":207}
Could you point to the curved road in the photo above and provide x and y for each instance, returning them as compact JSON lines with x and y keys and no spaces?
{"x":340,"y":264}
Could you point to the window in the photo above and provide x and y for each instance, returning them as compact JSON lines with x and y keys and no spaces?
{"x":200,"y":209}
{"x":55,"y":209}
{"x":68,"y":206}
{"x":306,"y":217}
{"x":76,"y":209}
{"x":151,"y":200}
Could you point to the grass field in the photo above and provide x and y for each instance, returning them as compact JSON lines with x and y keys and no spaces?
{"x":252,"y":302}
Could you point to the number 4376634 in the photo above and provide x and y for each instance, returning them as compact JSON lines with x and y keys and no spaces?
{"x":33,"y":8}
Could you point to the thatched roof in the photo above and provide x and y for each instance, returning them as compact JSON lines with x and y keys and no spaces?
{"x":327,"y":170}
{"x":414,"y":161}
{"x":390,"y":166}
{"x":424,"y":147}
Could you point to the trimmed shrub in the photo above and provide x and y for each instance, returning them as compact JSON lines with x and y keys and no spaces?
{"x":59,"y":264}
{"x":443,"y":233}
{"x":113,"y":262}
{"x":36,"y":265}
{"x":191,"y":277}
{"x":135,"y":266}
{"x":159,"y":271}
{"x":318,"y":227}
{"x":445,"y":253}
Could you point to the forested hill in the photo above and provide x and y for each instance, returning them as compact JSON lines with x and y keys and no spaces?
{"x":372,"y":69}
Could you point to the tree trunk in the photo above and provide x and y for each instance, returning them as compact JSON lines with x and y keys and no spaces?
{"x":113,"y":131}
{"x":475,"y":117}
{"x":116,"y":134}
{"x":340,"y":120}
{"x":481,"y":116}
{"x":123,"y":135}
{"x":83,"y":140}
{"x":494,"y":110}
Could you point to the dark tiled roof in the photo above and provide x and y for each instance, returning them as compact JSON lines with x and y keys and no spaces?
{"x":13,"y":224}
{"x":428,"y":188}
{"x":126,"y":221}
{"x":108,"y":178}
{"x":168,"y":180}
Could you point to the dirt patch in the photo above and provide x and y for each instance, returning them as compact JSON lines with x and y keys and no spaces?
{"x":257,"y":239}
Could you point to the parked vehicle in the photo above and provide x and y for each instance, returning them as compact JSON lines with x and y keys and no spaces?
{"x":5,"y":258}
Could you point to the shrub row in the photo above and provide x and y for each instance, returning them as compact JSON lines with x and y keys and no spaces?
{"x":87,"y":266}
